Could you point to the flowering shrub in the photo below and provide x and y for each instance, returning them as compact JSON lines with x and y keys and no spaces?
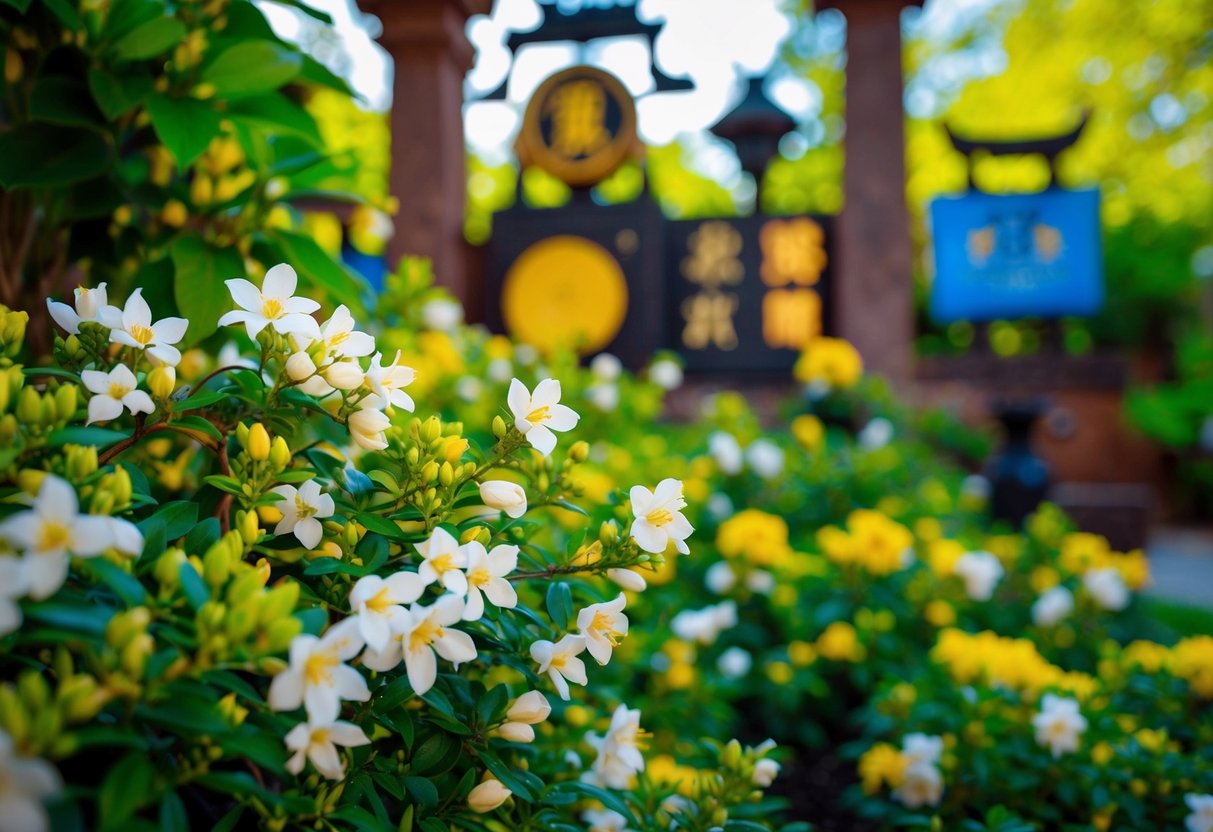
{"x":259,"y":591}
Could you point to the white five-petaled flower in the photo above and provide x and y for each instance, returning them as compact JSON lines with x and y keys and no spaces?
{"x":423,"y":632}
{"x":388,"y":383}
{"x":112,"y":392}
{"x":659,"y":517}
{"x":443,"y":562}
{"x":1201,"y":817}
{"x":91,"y":305}
{"x":13,"y":582}
{"x":486,"y":573}
{"x":340,"y":338}
{"x":560,"y":662}
{"x":367,"y":426}
{"x":603,"y":625}
{"x":921,"y":785}
{"x":502,"y":495}
{"x":133,"y":327}
{"x":24,"y":783}
{"x":921,"y":748}
{"x":52,"y":530}
{"x":705,"y":626}
{"x":317,"y":676}
{"x":981,"y":572}
{"x":604,"y":820}
{"x":1059,"y":725}
{"x":301,"y":510}
{"x":273,"y":305}
{"x":318,"y":742}
{"x":378,"y":603}
{"x":1107,"y":587}
{"x":538,"y":414}
{"x":1052,"y":606}
{"x":725,"y":449}
{"x":619,"y":750}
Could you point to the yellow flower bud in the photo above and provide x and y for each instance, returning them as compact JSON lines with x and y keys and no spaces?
{"x":488,"y":796}
{"x":242,"y":434}
{"x":250,"y":532}
{"x":29,"y":406}
{"x":280,"y":453}
{"x":731,"y":755}
{"x":280,"y":633}
{"x":579,"y":451}
{"x":498,"y":427}
{"x":258,"y":442}
{"x":279,"y":602}
{"x":244,"y":587}
{"x":429,"y":471}
{"x":81,"y":460}
{"x":446,"y":474}
{"x":431,"y":429}
{"x":174,"y":213}
{"x":240,"y":623}
{"x":29,"y":480}
{"x":216,"y":565}
{"x":161,"y":381}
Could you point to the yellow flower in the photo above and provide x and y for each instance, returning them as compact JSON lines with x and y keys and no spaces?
{"x":760,"y":538}
{"x":680,"y":676}
{"x":1044,"y":577}
{"x":1193,"y":660}
{"x":1147,"y":655}
{"x":940,"y":613}
{"x":664,"y":770}
{"x":882,"y":764}
{"x":872,"y":540}
{"x":1081,"y":551}
{"x":928,"y":529}
{"x":801,"y":653}
{"x":779,"y":672}
{"x":809,"y":432}
{"x":942,"y":556}
{"x":831,"y":361}
{"x":840,"y":643}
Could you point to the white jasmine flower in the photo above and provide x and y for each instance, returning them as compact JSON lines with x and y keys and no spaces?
{"x":441,"y":314}
{"x":537,"y":414}
{"x":734,"y":663}
{"x":486,"y":573}
{"x":302,"y":509}
{"x":469,"y":388}
{"x":720,"y":506}
{"x":725,"y":449}
{"x":1052,"y":606}
{"x":52,"y":530}
{"x":443,"y":562}
{"x":488,"y":796}
{"x":760,"y":581}
{"x":343,"y":375}
{"x":13,"y":584}
{"x":530,"y":708}
{"x":501,"y":495}
{"x":875,"y":434}
{"x":981,"y":572}
{"x":604,"y":820}
{"x":921,"y":785}
{"x":499,"y":370}
{"x":606,"y":366}
{"x":628,"y":579}
{"x":765,"y":772}
{"x":91,"y":306}
{"x":367,"y":428}
{"x":273,"y":305}
{"x":388,"y":382}
{"x":666,"y":374}
{"x":603,"y":625}
{"x":1201,"y":817}
{"x":424,"y":632}
{"x":921,"y":748}
{"x":604,"y":397}
{"x":24,"y":783}
{"x":659,"y":519}
{"x":705,"y":626}
{"x":560,"y":662}
{"x":378,"y":604}
{"x":720,"y":577}
{"x":340,"y":338}
{"x":318,"y":743}
{"x":1107,"y":587}
{"x":1059,"y":725}
{"x":765,"y":458}
{"x":133,"y":327}
{"x":317,"y":677}
{"x":619,"y":756}
{"x":113,"y":392}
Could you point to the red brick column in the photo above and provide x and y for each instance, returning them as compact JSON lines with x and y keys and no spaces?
{"x":431,"y":53}
{"x":874,"y":290}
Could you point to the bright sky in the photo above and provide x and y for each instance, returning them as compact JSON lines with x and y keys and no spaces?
{"x":716,"y":43}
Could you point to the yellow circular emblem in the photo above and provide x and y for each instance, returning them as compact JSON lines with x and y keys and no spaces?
{"x":565,"y":292}
{"x":579,"y":126}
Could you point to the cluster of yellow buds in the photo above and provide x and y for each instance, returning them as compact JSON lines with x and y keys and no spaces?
{"x":38,"y":413}
{"x":220,"y":174}
{"x":261,"y":459}
{"x":12,"y":333}
{"x":130,"y":647}
{"x":111,"y":494}
{"x":431,"y":458}
{"x":37,"y":716}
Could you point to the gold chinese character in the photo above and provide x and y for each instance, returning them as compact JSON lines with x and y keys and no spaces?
{"x":793,"y":251}
{"x":1048,"y":242}
{"x":709,"y":317}
{"x":578,"y":110}
{"x":981,"y":245}
{"x":713,"y":261}
{"x":790,"y":317}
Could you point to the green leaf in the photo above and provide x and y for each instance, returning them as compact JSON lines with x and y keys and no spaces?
{"x":59,"y":99}
{"x":124,"y":585}
{"x":185,"y":125}
{"x":195,"y":589}
{"x":317,"y":73}
{"x":560,"y":604}
{"x":204,"y":399}
{"x":608,"y":799}
{"x":81,"y":618}
{"x":251,"y":67}
{"x":198,"y":284}
{"x":380,"y":525}
{"x":99,"y":437}
{"x":277,"y":113}
{"x":321,"y":271}
{"x":37,"y":155}
{"x":118,"y":94}
{"x":199,"y":425}
{"x":148,"y":39}
{"x":173,"y":817}
{"x":226,"y":484}
{"x":435,"y":754}
{"x":422,"y":790}
{"x":63,"y":10}
{"x":126,"y":788}
{"x":20,"y":5}
{"x":177,"y":517}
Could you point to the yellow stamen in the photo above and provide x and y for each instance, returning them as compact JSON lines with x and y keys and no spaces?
{"x":604,"y":623}
{"x":424,"y":634}
{"x":318,"y":669}
{"x":142,"y":334}
{"x":660,"y":517}
{"x":271,"y":308}
{"x":539,"y":414}
{"x":303,"y":510}
{"x":53,"y":535}
{"x":117,"y":391}
{"x":479,"y":577}
{"x":442,"y":563}
{"x":380,"y":601}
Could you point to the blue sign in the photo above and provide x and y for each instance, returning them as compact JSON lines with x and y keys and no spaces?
{"x":1015,"y":256}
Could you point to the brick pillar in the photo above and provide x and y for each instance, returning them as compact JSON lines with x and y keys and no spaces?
{"x":431,"y":54}
{"x":874,"y":294}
